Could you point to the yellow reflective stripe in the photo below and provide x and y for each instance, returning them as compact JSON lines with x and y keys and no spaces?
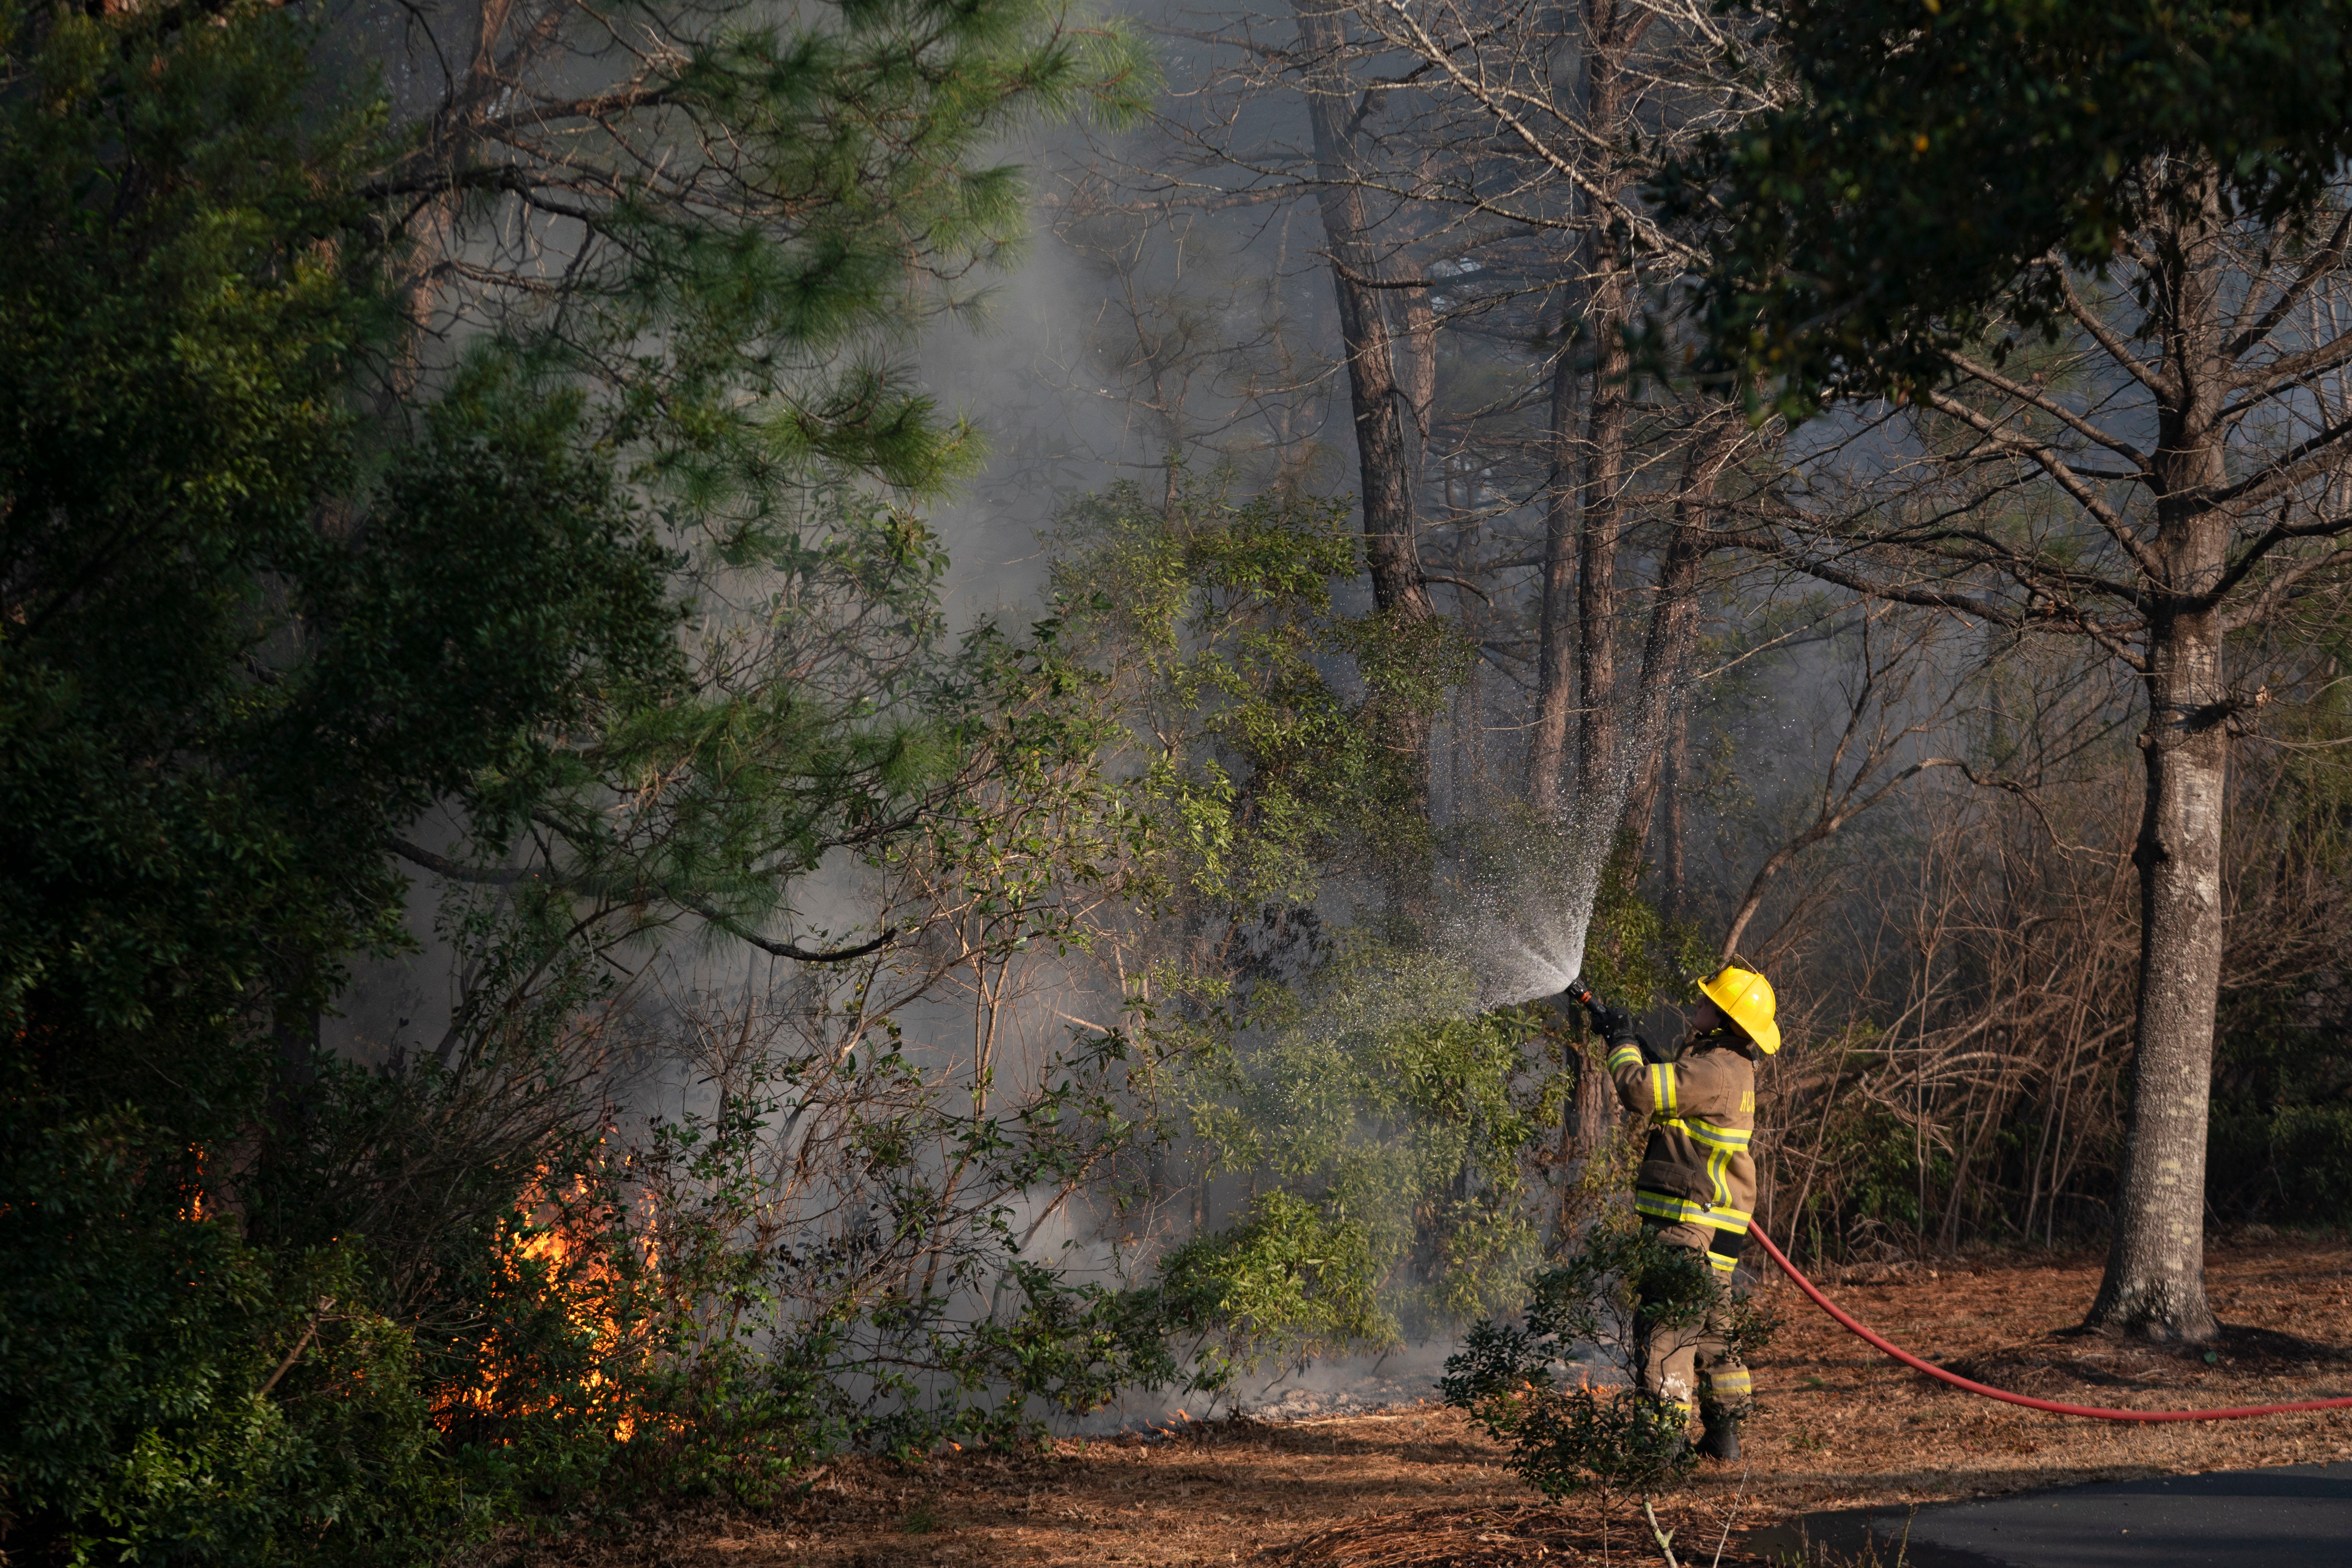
{"x":1661,"y":1206}
{"x":1731,"y":1139}
{"x":1716,"y":1164}
{"x":1730,"y":1382}
{"x":1658,"y":1205}
{"x":1722,"y":1264}
{"x":1625,"y":1057}
{"x":1666,"y":1206}
{"x":1662,"y":1089}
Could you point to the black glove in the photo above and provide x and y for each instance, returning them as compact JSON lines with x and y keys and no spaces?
{"x":1616,"y":1025}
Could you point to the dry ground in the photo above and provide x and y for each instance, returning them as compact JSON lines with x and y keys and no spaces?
{"x":1842,"y":1427}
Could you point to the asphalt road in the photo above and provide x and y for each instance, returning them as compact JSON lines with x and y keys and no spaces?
{"x":2292,"y":1516}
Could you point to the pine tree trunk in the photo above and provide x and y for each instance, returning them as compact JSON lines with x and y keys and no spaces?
{"x":1384,"y":452}
{"x":2155,"y":1281}
{"x":1601,"y":514}
{"x":1586,"y":1120}
{"x":1594,"y":519}
{"x":1672,"y":854}
{"x":1418,"y":375}
{"x":1555,"y":644}
{"x":1674,"y":623}
{"x":1601,"y":533}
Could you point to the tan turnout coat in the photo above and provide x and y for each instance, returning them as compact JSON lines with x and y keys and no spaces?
{"x":1701,"y":1107}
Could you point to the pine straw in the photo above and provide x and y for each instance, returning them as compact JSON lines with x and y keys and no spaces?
{"x":1841,"y":1428}
{"x":1845,"y":1428}
{"x":1507,"y":1536}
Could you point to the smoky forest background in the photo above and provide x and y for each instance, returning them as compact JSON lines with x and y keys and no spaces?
{"x":735,"y":732}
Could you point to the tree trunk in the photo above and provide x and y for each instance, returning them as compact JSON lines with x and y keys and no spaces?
{"x":1611,"y":28}
{"x":1418,"y":373}
{"x":1595,"y":517}
{"x":1586,"y":1122}
{"x":1673,"y":854}
{"x":1384,"y":453}
{"x":2155,"y":1281}
{"x":1673,"y":622}
{"x":1601,"y":531}
{"x":1556,"y":645}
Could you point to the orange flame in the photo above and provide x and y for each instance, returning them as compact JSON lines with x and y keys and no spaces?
{"x":196,"y":1204}
{"x":561,"y":1235}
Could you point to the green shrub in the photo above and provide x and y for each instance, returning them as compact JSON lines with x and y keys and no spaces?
{"x":1608,"y":1438}
{"x":179,"y":1396}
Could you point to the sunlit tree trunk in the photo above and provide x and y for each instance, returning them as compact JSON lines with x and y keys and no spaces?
{"x":2155,"y":1281}
{"x":1386,"y":452}
{"x":1673,"y":854}
{"x":1600,"y":533}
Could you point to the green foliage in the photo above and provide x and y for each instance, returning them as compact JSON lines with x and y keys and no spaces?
{"x":844,"y":1252}
{"x":1214,"y":621}
{"x":1880,"y":1178}
{"x":260,"y":1306}
{"x":924,"y":1324}
{"x":2284,"y":1164}
{"x":1932,"y":156}
{"x":769,"y":204}
{"x":1291,"y":1281}
{"x":174,"y":343}
{"x":180,"y":1394}
{"x":1633,"y":955}
{"x":1600,"y":1302}
{"x":229,"y":668}
{"x":2281,"y":1129}
{"x":1359,"y":1080}
{"x":1564,"y":1441}
{"x":1372,"y":1090}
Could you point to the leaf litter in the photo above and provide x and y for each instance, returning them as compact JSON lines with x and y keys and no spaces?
{"x":1414,"y":1486}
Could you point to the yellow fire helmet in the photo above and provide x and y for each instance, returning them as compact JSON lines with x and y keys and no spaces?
{"x":1746,"y":997}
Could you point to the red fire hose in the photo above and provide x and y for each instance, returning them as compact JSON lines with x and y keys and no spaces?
{"x":2237,"y":1412}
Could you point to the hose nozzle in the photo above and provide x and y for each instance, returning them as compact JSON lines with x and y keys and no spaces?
{"x":1577,"y":991}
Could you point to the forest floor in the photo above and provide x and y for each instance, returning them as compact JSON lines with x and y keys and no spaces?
{"x":1841,"y":1427}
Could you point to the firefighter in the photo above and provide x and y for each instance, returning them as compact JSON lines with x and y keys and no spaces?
{"x":1696,"y":1184}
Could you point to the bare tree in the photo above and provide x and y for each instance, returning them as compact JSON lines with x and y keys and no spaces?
{"x":2170,"y":478}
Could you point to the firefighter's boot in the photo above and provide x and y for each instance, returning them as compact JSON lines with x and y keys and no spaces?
{"x":1719,"y":1437}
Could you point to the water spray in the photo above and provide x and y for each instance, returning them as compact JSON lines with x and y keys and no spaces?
{"x":1527,"y":947}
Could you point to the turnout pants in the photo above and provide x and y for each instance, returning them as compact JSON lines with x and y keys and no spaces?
{"x":1696,"y":1359}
